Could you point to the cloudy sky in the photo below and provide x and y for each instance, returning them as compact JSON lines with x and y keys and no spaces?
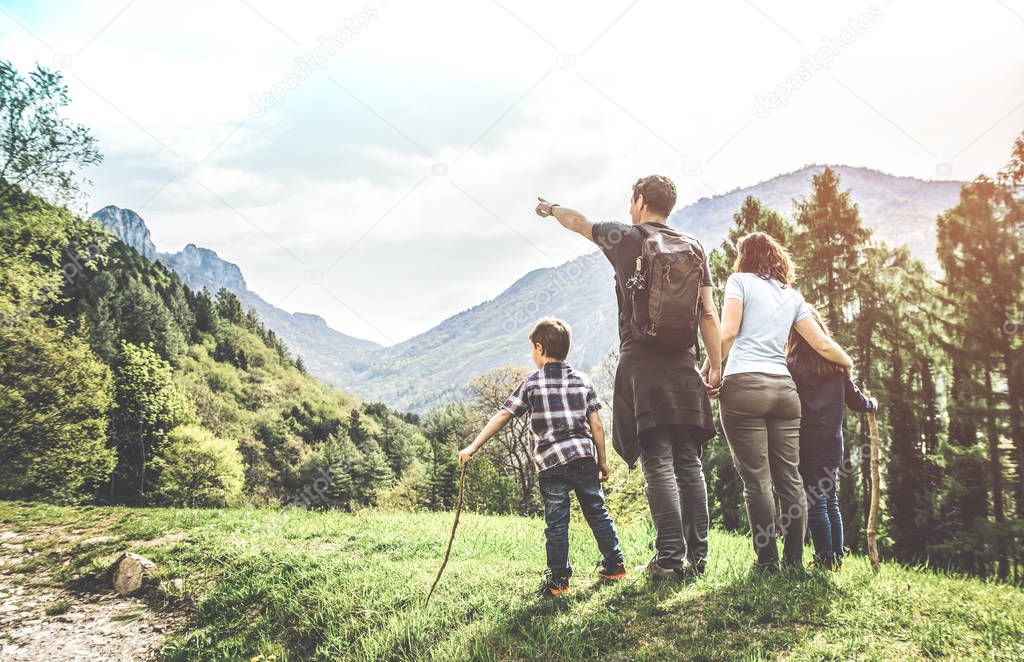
{"x":377,"y":162}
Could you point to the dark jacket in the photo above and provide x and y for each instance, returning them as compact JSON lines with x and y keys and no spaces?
{"x":822,"y":402}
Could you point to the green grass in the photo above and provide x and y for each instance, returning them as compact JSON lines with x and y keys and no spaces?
{"x":290,"y":584}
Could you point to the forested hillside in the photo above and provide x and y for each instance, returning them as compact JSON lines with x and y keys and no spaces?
{"x":120,"y":383}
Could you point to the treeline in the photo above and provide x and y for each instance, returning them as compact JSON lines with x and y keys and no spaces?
{"x":941,"y":351}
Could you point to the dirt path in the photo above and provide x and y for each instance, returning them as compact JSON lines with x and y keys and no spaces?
{"x":39,"y":620}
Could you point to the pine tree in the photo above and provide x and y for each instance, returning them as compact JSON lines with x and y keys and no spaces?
{"x":828,"y":243}
{"x":828,"y":246}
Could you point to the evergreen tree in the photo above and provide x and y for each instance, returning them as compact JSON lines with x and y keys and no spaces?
{"x":356,"y":432}
{"x":828,"y":246}
{"x":372,"y":474}
{"x":445,"y":427}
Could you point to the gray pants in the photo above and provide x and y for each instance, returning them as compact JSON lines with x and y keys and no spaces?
{"x":676,"y":494}
{"x":761,"y":419}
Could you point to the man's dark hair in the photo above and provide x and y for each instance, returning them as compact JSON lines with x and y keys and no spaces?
{"x":659,"y":193}
{"x":553,"y":336}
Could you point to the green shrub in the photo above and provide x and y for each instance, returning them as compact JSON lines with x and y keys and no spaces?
{"x":199,"y":469}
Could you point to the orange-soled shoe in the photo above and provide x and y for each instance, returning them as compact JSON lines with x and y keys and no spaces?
{"x":612,"y":573}
{"x":553,"y":587}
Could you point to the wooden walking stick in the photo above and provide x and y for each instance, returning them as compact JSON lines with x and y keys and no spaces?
{"x":873,"y":513}
{"x":455,"y":524}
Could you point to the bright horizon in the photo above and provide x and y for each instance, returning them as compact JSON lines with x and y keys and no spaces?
{"x":339,"y":173}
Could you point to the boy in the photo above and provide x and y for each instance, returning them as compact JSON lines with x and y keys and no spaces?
{"x":566,"y":432}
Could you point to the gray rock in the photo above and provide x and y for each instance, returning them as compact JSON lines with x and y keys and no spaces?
{"x":129,"y":227}
{"x":131,"y":573}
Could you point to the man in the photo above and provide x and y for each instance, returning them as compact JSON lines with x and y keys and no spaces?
{"x":661,"y":410}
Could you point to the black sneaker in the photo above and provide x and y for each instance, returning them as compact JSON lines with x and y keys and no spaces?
{"x":553,"y":586}
{"x":770,"y":568}
{"x":698,"y":567}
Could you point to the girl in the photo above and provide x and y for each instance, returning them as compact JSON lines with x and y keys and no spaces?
{"x":825,"y":388}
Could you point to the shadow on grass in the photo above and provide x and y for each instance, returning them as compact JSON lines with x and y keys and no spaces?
{"x":746,"y":617}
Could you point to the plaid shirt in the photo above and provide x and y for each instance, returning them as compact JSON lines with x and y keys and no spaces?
{"x":558,"y":399}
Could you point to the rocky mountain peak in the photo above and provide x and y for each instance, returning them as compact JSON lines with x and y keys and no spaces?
{"x":129,"y":227}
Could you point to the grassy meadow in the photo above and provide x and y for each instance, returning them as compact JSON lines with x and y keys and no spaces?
{"x":296,"y":585}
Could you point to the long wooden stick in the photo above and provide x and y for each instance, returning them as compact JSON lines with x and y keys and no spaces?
{"x":455,"y":524}
{"x":873,"y":513}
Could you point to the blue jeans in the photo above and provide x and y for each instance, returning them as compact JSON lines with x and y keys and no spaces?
{"x":556,"y":485}
{"x":825,"y":521}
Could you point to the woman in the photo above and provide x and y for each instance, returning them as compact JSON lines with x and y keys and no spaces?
{"x":760,"y":407}
{"x":825,"y":390}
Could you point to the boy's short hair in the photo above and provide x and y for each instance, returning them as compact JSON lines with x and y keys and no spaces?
{"x":659,"y":193}
{"x":554,"y":336}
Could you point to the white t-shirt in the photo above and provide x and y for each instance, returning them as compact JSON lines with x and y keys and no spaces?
{"x":770,"y":310}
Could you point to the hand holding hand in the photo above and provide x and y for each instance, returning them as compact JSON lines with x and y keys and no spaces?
{"x":712,"y":381}
{"x":603,"y":471}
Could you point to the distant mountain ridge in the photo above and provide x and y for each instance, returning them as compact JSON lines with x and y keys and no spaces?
{"x":327,"y":353}
{"x":424,"y":370}
{"x":435,"y":366}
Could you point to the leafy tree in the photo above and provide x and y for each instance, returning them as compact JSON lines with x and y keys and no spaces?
{"x":408,"y":493}
{"x":198,"y":469}
{"x":981,"y":247}
{"x":54,"y":398}
{"x":487,"y":490}
{"x":228,"y":307}
{"x":509,"y":450}
{"x":327,"y":478}
{"x":203,"y":312}
{"x":147,"y":406}
{"x":400,"y":440}
{"x":39,"y":149}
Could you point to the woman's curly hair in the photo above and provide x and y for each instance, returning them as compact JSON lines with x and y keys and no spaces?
{"x":759,"y":253}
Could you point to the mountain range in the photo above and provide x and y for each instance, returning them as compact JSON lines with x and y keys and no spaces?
{"x":328,"y":354}
{"x":436,"y":365}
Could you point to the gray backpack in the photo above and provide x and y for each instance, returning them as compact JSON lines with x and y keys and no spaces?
{"x":665,"y":289}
